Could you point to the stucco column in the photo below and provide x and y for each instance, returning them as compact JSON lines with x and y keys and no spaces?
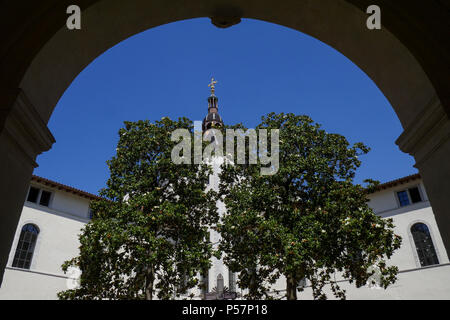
{"x":22,"y":138}
{"x":428,"y":140}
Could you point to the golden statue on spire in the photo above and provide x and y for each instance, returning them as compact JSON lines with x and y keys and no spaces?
{"x":211,"y":85}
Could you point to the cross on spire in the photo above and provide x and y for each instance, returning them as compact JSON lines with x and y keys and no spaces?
{"x":211,"y":85}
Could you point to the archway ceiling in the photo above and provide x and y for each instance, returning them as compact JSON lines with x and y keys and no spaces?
{"x":423,"y":27}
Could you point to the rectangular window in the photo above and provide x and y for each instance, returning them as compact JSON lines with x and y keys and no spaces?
{"x":33,"y":194}
{"x":409,"y":196}
{"x":45,"y":198}
{"x":39,"y":196}
{"x":415,"y":195}
{"x":403,"y":198}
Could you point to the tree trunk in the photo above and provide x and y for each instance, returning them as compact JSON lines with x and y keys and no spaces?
{"x":291,"y":288}
{"x":253,"y":288}
{"x":149,"y":279}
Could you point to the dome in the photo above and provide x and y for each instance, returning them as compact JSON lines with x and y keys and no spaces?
{"x":213,"y":116}
{"x":212,"y":119}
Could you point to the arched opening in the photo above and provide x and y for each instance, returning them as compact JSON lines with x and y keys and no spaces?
{"x":25,"y":246}
{"x":424,"y":245}
{"x":39,"y":65}
{"x":261,"y":67}
{"x":220,"y":285}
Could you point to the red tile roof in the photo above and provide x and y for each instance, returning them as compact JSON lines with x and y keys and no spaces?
{"x":59,"y":186}
{"x":90,"y":196}
{"x":397,"y":182}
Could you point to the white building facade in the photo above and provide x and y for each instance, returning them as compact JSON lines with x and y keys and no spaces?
{"x":47,"y":235}
{"x":424,"y":268}
{"x":54,"y":214}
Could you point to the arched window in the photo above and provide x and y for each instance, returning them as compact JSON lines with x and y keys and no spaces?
{"x":25,"y":247}
{"x":424,"y":245}
{"x":220,"y":285}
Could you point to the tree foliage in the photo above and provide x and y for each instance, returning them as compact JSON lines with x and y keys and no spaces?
{"x":309,"y":220}
{"x":150,"y":234}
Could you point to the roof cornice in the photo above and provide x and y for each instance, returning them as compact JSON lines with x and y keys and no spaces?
{"x":69,"y":189}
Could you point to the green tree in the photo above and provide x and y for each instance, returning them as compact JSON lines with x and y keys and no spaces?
{"x":309,"y":220}
{"x":150,"y":234}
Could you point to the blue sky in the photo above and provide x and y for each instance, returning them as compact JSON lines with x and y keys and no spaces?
{"x":260,"y":68}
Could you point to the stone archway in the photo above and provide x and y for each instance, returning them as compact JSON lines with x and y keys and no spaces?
{"x":409,"y":60}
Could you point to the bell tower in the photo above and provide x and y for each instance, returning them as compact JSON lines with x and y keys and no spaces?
{"x":219,"y":282}
{"x":212,"y":119}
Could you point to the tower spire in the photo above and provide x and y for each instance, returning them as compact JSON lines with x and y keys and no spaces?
{"x":213,"y":118}
{"x":212,"y":86}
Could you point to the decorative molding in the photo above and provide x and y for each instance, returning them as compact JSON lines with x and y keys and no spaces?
{"x":443,"y":265}
{"x":26,"y":130}
{"x":40,"y":273}
{"x":426,"y":267}
{"x":60,"y":213}
{"x":400,"y":210}
{"x":429,"y":130}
